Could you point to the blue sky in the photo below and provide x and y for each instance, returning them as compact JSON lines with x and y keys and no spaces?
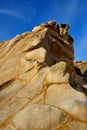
{"x":18,"y":16}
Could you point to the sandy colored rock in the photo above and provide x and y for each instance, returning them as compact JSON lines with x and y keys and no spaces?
{"x":41,"y":88}
{"x":81,"y":69}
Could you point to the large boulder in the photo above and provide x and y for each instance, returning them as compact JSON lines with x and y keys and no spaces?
{"x":40,"y":88}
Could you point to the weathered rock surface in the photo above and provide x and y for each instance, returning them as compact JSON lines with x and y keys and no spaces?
{"x":81,"y":69}
{"x":40,"y":87}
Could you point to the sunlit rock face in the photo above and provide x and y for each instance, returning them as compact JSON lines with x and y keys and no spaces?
{"x":81,"y":70}
{"x":40,"y":87}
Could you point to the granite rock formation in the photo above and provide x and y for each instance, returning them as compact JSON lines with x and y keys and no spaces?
{"x":81,"y":70}
{"x":40,"y":87}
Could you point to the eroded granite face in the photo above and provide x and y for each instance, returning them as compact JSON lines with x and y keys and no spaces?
{"x":40,"y":88}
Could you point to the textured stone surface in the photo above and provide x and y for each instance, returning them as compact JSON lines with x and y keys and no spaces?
{"x":40,"y":86}
{"x":81,"y":69}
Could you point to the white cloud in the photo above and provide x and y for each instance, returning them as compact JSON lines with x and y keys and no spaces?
{"x":63,"y":11}
{"x":71,"y":10}
{"x":21,"y":10}
{"x":12,"y":13}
